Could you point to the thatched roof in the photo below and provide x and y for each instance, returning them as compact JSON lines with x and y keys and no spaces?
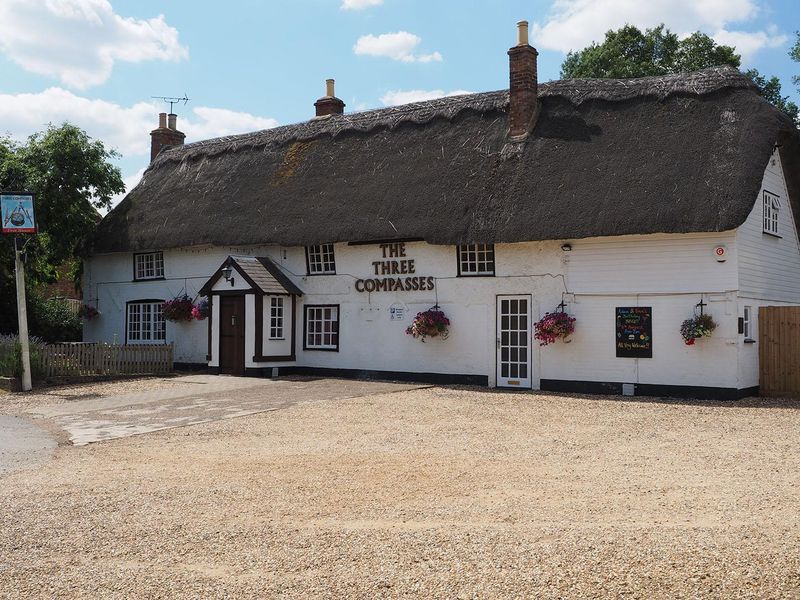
{"x":681,"y":153}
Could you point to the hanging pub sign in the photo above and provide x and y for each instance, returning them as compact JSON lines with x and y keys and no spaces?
{"x":634,"y":332}
{"x":16,"y":211}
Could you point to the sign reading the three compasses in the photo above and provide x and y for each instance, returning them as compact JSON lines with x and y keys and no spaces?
{"x":16,"y":211}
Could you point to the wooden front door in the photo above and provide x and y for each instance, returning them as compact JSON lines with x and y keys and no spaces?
{"x":231,"y":335}
{"x":514,"y":341}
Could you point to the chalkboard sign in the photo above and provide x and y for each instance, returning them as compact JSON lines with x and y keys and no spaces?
{"x":634,"y":332}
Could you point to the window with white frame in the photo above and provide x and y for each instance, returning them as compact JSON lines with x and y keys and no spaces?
{"x":149,"y":265}
{"x":476,"y":259}
{"x":146,"y":324}
{"x":321,"y":260}
{"x":747,"y":320}
{"x":322,"y":328}
{"x":772,"y":207}
{"x":276,"y":318}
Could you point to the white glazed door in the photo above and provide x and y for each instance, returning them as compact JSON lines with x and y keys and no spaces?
{"x":514,"y":341}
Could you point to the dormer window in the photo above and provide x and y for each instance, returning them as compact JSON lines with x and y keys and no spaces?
{"x":148,"y":265}
{"x":320,"y":260}
{"x":772,"y":207}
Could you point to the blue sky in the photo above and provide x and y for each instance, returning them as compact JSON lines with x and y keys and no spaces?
{"x":249,"y":64}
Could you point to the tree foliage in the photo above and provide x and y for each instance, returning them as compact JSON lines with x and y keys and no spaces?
{"x":629,"y":52}
{"x":72,"y":177}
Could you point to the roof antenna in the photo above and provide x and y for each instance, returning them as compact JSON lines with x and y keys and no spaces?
{"x":172,"y":100}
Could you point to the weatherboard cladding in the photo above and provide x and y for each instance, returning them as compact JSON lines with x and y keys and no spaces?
{"x":673,"y":154}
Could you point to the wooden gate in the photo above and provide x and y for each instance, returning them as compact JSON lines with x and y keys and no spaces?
{"x":779,"y":350}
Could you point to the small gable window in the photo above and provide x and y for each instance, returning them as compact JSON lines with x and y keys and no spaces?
{"x":320,"y":260}
{"x":146,"y":323}
{"x":476,"y":259}
{"x":772,"y":207}
{"x":149,"y":265}
{"x":276,"y":318}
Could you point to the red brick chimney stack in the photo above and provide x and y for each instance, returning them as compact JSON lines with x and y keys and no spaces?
{"x":523,"y":85}
{"x":329,"y":104}
{"x":166,"y":134}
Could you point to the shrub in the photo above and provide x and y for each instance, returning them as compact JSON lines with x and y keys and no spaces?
{"x":52,"y":320}
{"x":11,"y":356}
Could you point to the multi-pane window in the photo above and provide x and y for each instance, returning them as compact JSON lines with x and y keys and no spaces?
{"x":321,"y":260}
{"x":772,"y":206}
{"x":148,"y":266}
{"x":476,"y":259}
{"x":276,"y":318}
{"x":747,"y":329}
{"x":146,"y":323}
{"x":322,"y":328}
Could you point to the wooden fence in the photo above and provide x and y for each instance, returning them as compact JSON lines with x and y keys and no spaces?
{"x":779,"y":350}
{"x":103,"y":359}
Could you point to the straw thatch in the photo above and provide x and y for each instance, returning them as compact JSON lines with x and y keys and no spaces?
{"x":679,"y":153}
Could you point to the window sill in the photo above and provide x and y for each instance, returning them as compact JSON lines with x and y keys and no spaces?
{"x":774,"y":235}
{"x":148,"y":279}
{"x":318,"y":274}
{"x":476,"y":275}
{"x":749,"y":341}
{"x":321,"y":349}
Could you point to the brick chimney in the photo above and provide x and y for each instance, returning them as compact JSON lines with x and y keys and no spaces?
{"x":523,"y":86}
{"x":329,"y":104}
{"x":165,"y":135}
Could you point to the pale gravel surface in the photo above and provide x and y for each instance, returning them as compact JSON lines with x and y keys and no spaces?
{"x":434,"y":493}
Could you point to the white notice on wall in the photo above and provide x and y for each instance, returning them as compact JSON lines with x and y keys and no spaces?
{"x":397,"y":312}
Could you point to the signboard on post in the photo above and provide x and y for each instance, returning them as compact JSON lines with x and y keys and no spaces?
{"x":16,"y":212}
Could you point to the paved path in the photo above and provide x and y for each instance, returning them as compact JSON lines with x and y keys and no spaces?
{"x":22,"y":444}
{"x":198,"y":399}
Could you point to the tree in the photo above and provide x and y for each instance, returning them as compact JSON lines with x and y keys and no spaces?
{"x":627,"y":52}
{"x":794,"y":54}
{"x":72,"y":177}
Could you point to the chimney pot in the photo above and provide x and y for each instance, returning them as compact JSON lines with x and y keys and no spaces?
{"x":522,"y":33}
{"x":165,"y":135}
{"x":329,"y":104}
{"x":523,"y":85}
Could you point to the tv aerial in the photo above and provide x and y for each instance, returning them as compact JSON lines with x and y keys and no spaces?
{"x":173,"y":100}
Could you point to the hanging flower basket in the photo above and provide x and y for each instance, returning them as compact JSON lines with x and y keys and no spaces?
{"x":88,"y":312}
{"x":696,"y":327}
{"x":553,"y":326}
{"x":430,"y":323}
{"x":178,"y":309}
{"x":200,"y":311}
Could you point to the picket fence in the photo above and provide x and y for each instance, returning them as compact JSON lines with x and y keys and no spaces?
{"x":82,"y":359}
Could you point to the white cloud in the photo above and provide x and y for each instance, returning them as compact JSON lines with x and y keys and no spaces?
{"x":397,"y":46}
{"x":574,"y":24}
{"x":78,"y":41}
{"x":126,"y":128}
{"x":397,"y":97}
{"x":359,"y":4}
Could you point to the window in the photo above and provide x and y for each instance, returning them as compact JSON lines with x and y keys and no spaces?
{"x":772,"y":206}
{"x":322,"y":328}
{"x":276,"y":318}
{"x":747,"y":321}
{"x":320,"y":260}
{"x":146,"y":324}
{"x":476,"y":259}
{"x":148,"y":266}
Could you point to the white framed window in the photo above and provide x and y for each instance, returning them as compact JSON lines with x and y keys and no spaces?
{"x":321,"y":327}
{"x":747,"y":321}
{"x":276,"y":318}
{"x":149,"y":265}
{"x":321,"y":260}
{"x":772,"y":207}
{"x":476,"y":259}
{"x":145,"y":322}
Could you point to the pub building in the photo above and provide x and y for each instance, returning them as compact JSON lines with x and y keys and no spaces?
{"x":631,"y":206}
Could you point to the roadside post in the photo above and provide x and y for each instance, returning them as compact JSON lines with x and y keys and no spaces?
{"x":16,"y":209}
